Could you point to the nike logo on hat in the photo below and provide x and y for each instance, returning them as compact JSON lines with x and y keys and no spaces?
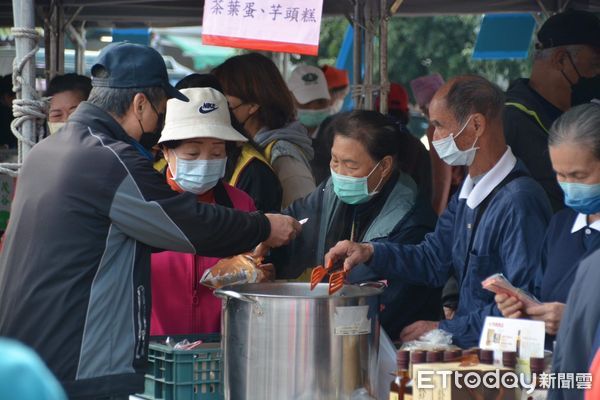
{"x":207,"y":108}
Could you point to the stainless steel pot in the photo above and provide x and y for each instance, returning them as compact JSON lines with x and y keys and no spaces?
{"x":282,"y":341}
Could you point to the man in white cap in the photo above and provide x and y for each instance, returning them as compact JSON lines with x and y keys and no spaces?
{"x":311,"y":95}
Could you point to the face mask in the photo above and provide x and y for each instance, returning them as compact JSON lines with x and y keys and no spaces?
{"x":352,"y":190}
{"x":313,"y":118}
{"x":150,"y":139}
{"x":199,"y":176}
{"x":53,"y":127}
{"x":242,"y":123}
{"x":581,"y":197}
{"x":585,"y":90}
{"x":337,"y":106}
{"x":451,"y":154}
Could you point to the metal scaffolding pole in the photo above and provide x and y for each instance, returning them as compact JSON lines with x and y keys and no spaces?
{"x":357,"y":64}
{"x":55,"y":44}
{"x":26,"y":107}
{"x":383,"y":58}
{"x":78,"y":37}
{"x":369,"y":55}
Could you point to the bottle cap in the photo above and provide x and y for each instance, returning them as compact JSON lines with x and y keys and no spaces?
{"x":417,"y":357}
{"x":403,"y":359}
{"x":537,"y":364}
{"x":486,"y":356}
{"x":509,"y":358}
{"x":434,"y":356}
{"x":452,"y":355}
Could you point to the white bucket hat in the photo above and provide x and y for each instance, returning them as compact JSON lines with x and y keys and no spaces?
{"x":308,"y":83}
{"x":205,"y":115}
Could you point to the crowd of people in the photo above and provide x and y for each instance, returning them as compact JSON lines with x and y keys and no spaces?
{"x":140,"y":187}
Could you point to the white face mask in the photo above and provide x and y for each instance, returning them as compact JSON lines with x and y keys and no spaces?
{"x":53,"y":127}
{"x":199,"y":176}
{"x":449,"y":151}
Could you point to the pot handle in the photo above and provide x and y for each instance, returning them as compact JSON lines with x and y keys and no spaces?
{"x":376,"y":285}
{"x":225,"y":294}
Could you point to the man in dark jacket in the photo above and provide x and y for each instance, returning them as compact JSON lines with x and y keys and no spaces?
{"x":568,"y":53}
{"x":75,"y":265}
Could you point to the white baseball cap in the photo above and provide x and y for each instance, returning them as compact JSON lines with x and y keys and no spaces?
{"x":205,"y":115}
{"x":308,"y":83}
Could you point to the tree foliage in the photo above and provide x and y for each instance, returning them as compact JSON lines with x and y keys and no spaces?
{"x":424,"y":45}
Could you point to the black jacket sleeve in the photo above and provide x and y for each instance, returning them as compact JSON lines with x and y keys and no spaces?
{"x":261,"y":183}
{"x":145,"y":208}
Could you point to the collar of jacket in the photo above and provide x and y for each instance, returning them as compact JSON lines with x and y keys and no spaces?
{"x":99,"y":120}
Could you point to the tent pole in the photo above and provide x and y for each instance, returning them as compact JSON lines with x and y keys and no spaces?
{"x":57,"y":48}
{"x":24,"y":80}
{"x":369,"y":55}
{"x":78,"y":37}
{"x":383,"y":58}
{"x":356,"y":75}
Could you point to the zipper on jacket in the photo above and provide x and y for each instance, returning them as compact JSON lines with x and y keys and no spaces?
{"x":195,"y":294}
{"x":141,"y":317}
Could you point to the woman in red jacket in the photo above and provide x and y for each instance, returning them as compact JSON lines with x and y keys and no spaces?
{"x":194,"y":144}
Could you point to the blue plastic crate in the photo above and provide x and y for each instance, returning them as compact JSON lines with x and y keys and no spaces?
{"x":184,"y":374}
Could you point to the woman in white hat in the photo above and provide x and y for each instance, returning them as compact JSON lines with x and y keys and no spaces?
{"x":194,"y":144}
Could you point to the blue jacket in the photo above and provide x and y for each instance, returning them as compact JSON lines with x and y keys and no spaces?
{"x":507,"y":240}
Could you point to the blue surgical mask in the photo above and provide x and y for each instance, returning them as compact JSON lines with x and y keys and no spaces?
{"x":352,"y":190}
{"x":313,"y":118}
{"x":199,"y":176}
{"x":449,"y":151}
{"x":581,"y":197}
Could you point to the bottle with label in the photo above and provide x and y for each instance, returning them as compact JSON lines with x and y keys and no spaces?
{"x":537,"y":368}
{"x":398,"y":386}
{"x":416,"y":357}
{"x":509,"y":359}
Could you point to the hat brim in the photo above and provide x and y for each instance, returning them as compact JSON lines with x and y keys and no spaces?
{"x":173,"y":93}
{"x":305,"y":96}
{"x":186,"y":131}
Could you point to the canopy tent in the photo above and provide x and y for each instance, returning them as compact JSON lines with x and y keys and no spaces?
{"x":60,"y":17}
{"x":189,"y":12}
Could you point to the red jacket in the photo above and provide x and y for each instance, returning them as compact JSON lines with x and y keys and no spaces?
{"x":180,"y":304}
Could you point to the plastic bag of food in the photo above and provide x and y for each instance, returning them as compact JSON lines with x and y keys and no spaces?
{"x":236,"y":270}
{"x":437,"y":339}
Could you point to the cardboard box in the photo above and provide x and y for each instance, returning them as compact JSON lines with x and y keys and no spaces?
{"x":453,"y":381}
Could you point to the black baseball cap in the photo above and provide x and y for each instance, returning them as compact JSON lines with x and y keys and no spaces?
{"x":131,"y":65}
{"x":573,"y":27}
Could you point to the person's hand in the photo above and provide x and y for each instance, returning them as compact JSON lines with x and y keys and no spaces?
{"x":350,"y":253}
{"x":417,"y":329}
{"x":261,"y":251}
{"x":449,"y":312}
{"x":268,"y":272}
{"x":283,"y":230}
{"x":550,"y":313}
{"x":509,"y":306}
